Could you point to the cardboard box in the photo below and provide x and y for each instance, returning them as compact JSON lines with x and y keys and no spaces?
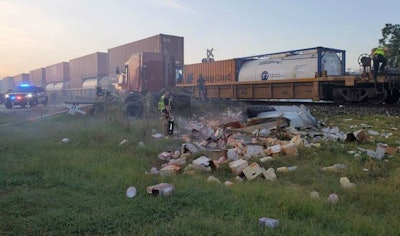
{"x":162,"y":189}
{"x":238,"y":166}
{"x":253,"y":171}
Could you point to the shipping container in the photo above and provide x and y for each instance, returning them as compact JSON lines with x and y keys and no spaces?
{"x":8,"y":83}
{"x":57,"y":72}
{"x":170,"y":47}
{"x":145,"y":72}
{"x":90,"y":66}
{"x":21,"y":78}
{"x":215,"y":72}
{"x":75,"y":83}
{"x":38,"y":77}
{"x":285,"y":75}
{"x":297,"y":64}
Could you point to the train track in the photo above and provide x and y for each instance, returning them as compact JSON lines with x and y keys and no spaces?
{"x":328,"y":108}
{"x":360,"y":109}
{"x":356,"y":109}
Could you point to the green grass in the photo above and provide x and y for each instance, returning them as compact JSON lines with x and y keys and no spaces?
{"x":53,"y":188}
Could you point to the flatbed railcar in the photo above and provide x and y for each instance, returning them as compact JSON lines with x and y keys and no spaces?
{"x":314,"y":74}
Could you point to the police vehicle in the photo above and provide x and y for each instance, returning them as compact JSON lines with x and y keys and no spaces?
{"x":26,"y":95}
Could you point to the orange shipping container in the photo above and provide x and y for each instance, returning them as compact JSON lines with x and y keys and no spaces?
{"x":216,"y":72}
{"x":7,"y":83}
{"x":146,"y":72}
{"x":170,"y":47}
{"x":37,"y":77}
{"x":94,"y":65}
{"x":21,"y":78}
{"x":57,"y":72}
{"x":75,"y":83}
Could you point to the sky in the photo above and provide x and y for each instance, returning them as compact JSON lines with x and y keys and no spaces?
{"x":36,"y":34}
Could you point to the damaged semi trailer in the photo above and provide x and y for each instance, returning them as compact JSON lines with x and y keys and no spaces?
{"x":314,"y":74}
{"x":146,"y":73}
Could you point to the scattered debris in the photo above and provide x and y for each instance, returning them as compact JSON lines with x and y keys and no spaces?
{"x":247,"y":143}
{"x":253,"y":171}
{"x":378,"y":154}
{"x":170,"y":170}
{"x":203,"y":160}
{"x":391,"y":150}
{"x":189,"y":148}
{"x":153,"y":171}
{"x":162,"y":189}
{"x":386,"y":135}
{"x":65,"y":140}
{"x":282,"y":169}
{"x":193,"y":169}
{"x":238,"y":166}
{"x":265,"y":159}
{"x":298,"y":116}
{"x":157,"y":135}
{"x":335,"y":167}
{"x":269,"y":174}
{"x":314,"y":195}
{"x":131,"y":192}
{"x":345,"y":183}
{"x":358,"y":136}
{"x":271,"y":223}
{"x":373,"y":133}
{"x":180,"y":161}
{"x":123,"y":142}
{"x":165,"y":156}
{"x":333,"y":198}
{"x":213,"y":179}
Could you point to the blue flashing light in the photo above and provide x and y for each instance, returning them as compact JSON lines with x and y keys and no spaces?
{"x":24,"y":85}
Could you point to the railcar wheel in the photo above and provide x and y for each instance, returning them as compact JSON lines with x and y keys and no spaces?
{"x":393,"y":97}
{"x":380,"y":97}
{"x":134,"y":109}
{"x":337,"y":96}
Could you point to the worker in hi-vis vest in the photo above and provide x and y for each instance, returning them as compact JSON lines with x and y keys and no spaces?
{"x":164,"y":105}
{"x":379,"y":58}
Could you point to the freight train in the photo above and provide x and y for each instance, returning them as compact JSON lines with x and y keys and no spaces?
{"x":157,"y":62}
{"x":310,"y":74}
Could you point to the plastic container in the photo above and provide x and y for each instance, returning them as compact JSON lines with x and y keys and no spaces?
{"x":131,"y":192}
{"x":270,"y":223}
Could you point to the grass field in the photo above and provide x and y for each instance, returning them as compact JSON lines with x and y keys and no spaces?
{"x":52,"y":188}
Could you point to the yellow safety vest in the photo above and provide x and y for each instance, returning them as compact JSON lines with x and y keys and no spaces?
{"x":161,"y":105}
{"x":379,"y":51}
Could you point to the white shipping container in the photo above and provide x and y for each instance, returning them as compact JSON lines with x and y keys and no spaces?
{"x":290,"y":66}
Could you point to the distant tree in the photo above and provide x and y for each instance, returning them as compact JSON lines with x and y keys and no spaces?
{"x":391,"y":39}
